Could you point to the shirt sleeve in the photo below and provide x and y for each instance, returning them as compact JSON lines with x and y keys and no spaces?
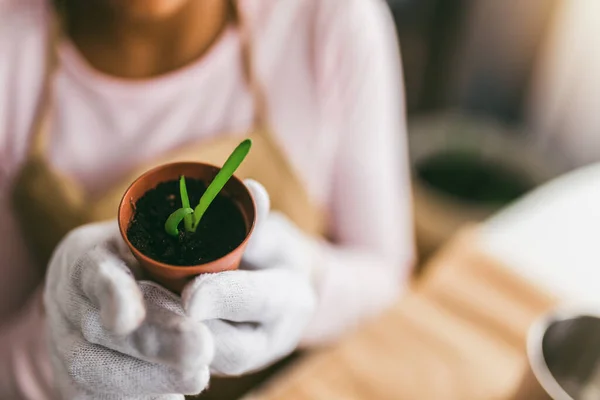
{"x":25,"y":371}
{"x":361,"y":86}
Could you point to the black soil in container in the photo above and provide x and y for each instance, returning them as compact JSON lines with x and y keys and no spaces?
{"x":221,"y":229}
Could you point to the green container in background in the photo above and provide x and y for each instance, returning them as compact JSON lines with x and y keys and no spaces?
{"x":466,"y":168}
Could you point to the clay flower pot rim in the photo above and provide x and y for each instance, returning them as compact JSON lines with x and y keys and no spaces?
{"x":145,"y":258}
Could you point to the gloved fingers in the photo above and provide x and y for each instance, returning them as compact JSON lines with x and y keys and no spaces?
{"x":263,"y":205}
{"x":277,"y":244}
{"x":86,"y":395}
{"x":77,"y":242}
{"x":86,"y":237}
{"x":244,"y":348}
{"x":247,"y":296}
{"x":166,"y":335}
{"x":261,"y":198}
{"x":108,"y":283}
{"x":95,"y":369}
{"x":239,"y":348}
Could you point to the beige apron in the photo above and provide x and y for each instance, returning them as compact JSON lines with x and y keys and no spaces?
{"x":49,"y":204}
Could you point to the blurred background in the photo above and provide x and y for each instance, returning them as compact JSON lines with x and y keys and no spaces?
{"x":499,"y":99}
{"x":478,"y":56}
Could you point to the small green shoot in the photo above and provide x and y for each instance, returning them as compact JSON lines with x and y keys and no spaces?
{"x":192,"y":217}
{"x":185,"y":203}
{"x":232,"y":163}
{"x":174,"y":220}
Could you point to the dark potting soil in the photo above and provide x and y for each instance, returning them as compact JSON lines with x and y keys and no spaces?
{"x":473,"y":179}
{"x":221,"y":229}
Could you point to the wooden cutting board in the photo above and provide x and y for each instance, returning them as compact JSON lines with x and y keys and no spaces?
{"x":458,"y":334}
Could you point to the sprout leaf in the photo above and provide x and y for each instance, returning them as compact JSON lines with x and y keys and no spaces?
{"x":230,"y":166}
{"x":185,"y":203}
{"x":174,"y":220}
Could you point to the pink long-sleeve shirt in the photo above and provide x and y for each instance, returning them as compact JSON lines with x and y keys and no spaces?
{"x":331,"y":72}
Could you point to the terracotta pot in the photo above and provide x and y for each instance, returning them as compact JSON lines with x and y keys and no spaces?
{"x":174,"y":277}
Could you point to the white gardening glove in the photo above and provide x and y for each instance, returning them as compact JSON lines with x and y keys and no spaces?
{"x":111,"y":337}
{"x":114,"y":338}
{"x":259,"y":313}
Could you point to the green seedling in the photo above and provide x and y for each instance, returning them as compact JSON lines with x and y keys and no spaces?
{"x":174,"y":220}
{"x":185,"y":203}
{"x":191,"y":217}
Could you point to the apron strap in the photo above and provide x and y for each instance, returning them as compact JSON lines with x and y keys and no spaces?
{"x":41,"y":125}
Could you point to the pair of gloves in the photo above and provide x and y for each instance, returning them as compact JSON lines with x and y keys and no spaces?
{"x":114,"y":335}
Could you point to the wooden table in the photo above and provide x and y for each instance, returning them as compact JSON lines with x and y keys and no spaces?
{"x":459,"y":334}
